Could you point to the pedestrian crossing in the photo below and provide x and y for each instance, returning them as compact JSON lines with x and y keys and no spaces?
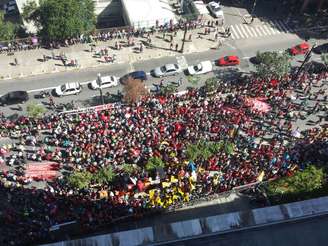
{"x":244,"y":31}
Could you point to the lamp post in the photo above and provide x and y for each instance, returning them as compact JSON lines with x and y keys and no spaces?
{"x":184,"y":38}
{"x":306,"y":59}
{"x":99,"y":82}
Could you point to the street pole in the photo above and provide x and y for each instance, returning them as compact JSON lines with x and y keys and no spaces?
{"x":99,"y":82}
{"x":254,"y":5}
{"x":306,"y":59}
{"x":184,"y":38}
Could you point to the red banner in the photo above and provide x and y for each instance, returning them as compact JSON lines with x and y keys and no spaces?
{"x":42,"y":170}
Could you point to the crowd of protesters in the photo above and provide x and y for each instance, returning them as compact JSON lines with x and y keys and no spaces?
{"x":160,"y":127}
{"x":106,"y":35}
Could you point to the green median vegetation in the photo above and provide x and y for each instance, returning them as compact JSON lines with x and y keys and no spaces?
{"x":306,"y":184}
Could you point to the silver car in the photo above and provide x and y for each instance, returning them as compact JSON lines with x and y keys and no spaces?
{"x":166,"y":70}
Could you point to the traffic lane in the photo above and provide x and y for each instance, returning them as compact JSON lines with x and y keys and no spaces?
{"x":270,"y":43}
{"x":55,"y":79}
{"x":89,"y":97}
{"x":300,"y":233}
{"x":50,"y":80}
{"x":149,"y":65}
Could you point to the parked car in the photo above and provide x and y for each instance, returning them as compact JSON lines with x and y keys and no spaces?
{"x":200,"y":68}
{"x":67,"y":89}
{"x":299,"y":49}
{"x":134,"y":75}
{"x":321,"y":49}
{"x":14,"y":97}
{"x":166,"y":70}
{"x":106,"y":82}
{"x":228,"y":61}
{"x":215,"y":9}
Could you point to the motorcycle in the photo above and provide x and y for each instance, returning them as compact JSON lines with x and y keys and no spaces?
{"x":43,"y":94}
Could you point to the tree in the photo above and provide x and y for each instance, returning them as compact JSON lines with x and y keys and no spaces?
{"x":192,"y":152}
{"x":154,"y":163}
{"x":129,"y":168}
{"x":80,"y":179}
{"x":193,"y":79}
{"x":310,"y":179}
{"x":35,"y":110}
{"x":61,"y":19}
{"x":272,"y":64}
{"x":134,"y":89}
{"x":203,"y":149}
{"x":211,"y":84}
{"x":104,"y":175}
{"x":7,"y":29}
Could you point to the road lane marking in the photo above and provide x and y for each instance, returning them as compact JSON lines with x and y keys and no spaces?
{"x":243,"y":30}
{"x":263,"y":30}
{"x":249,"y":31}
{"x":235,"y":33}
{"x":241,"y":34}
{"x":282,"y":26}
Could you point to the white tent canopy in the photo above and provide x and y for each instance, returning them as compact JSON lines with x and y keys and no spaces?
{"x":145,"y":13}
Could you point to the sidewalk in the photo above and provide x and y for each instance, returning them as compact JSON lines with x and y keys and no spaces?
{"x":31,"y":62}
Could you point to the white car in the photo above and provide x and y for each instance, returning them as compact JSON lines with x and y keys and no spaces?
{"x":72,"y":88}
{"x":216,"y":10}
{"x":106,"y":82}
{"x":200,"y":68}
{"x":166,"y":70}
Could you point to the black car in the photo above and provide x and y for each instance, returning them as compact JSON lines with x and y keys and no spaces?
{"x":14,"y":97}
{"x":321,"y":49}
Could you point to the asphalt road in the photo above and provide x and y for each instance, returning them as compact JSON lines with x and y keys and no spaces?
{"x":242,"y":48}
{"x":302,"y":233}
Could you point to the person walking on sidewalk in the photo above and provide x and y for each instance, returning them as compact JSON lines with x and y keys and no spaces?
{"x":176,"y":47}
{"x":171,"y":46}
{"x":16,"y":61}
{"x":141,"y":48}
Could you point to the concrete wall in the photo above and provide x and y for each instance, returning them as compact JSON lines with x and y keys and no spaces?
{"x":214,"y":224}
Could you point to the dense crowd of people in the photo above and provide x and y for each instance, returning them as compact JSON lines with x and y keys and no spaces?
{"x":162,"y":127}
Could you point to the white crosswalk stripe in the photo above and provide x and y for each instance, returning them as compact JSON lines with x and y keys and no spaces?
{"x":248,"y":29}
{"x":274,"y":27}
{"x":237,"y":28}
{"x":262,"y":30}
{"x":258,"y":32}
{"x":234,"y":33}
{"x":242,"y":31}
{"x":281,"y":27}
{"x":242,"y":28}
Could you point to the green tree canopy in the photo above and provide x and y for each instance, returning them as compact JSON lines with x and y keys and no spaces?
{"x":310,"y":179}
{"x":35,"y":110}
{"x":80,"y":179}
{"x":272,"y":64}
{"x":153,"y":163}
{"x":211,"y":84}
{"x":61,"y":19}
{"x":7,"y":29}
{"x":104,"y":175}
